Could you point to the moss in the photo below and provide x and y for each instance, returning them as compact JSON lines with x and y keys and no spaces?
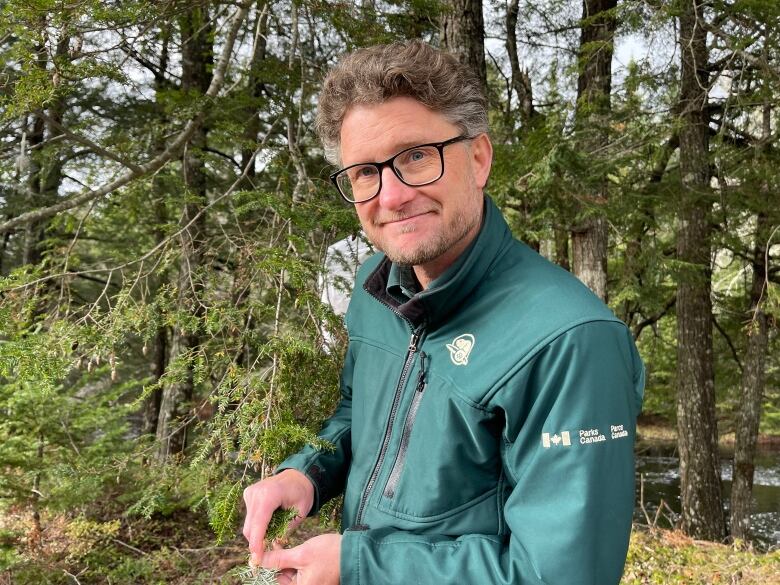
{"x":665,"y":557}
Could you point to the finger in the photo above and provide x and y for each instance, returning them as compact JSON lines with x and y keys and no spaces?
{"x":255,"y":560}
{"x":287,"y":577}
{"x":256,"y":522}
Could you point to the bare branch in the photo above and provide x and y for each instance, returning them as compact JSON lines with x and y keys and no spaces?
{"x":653,"y":319}
{"x":96,"y":148}
{"x":728,"y":342}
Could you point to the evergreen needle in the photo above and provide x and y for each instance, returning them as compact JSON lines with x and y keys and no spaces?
{"x":256,"y":575}
{"x":280,"y":522}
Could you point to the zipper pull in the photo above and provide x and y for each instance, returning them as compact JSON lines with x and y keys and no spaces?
{"x":413,"y":342}
{"x":421,"y":375}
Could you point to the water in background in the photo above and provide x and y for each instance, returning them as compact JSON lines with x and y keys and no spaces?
{"x":658,"y":468}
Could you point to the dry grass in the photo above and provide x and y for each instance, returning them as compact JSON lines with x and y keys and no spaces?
{"x":665,"y":557}
{"x":657,"y":431}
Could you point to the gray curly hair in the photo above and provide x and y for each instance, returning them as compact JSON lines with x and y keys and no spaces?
{"x":374,"y":75}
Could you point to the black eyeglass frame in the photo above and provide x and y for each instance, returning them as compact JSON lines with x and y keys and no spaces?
{"x":389,"y":163}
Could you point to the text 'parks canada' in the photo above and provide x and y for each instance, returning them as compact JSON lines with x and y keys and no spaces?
{"x":591,"y":436}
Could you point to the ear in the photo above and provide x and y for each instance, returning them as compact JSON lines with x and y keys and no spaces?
{"x":481,"y":159}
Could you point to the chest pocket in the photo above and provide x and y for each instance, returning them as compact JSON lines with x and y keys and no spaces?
{"x":446,"y":459}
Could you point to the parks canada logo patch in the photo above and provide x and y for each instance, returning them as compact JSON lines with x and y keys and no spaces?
{"x":460,"y":349}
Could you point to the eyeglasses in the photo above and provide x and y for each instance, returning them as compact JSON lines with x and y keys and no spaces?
{"x":416,"y":166}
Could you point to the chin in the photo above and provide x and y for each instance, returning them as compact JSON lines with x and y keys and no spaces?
{"x":413,"y":256}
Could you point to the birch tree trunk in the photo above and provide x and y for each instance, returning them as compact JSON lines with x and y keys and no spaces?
{"x":589,"y":238}
{"x":701,"y":502}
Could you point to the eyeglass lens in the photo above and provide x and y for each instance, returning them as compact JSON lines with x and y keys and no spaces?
{"x":416,"y":166}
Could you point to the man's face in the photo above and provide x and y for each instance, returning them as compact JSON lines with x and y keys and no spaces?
{"x":418,"y":226}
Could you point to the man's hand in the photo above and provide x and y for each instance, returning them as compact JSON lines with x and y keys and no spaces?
{"x":289,"y":489}
{"x":315,"y":562}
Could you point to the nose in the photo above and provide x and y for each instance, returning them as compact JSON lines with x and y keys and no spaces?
{"x":394,"y":194}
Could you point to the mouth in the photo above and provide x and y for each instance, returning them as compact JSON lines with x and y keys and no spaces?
{"x":404,"y":219}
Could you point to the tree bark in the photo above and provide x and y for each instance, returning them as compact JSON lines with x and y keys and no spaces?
{"x":463,"y":33}
{"x":701,"y":501}
{"x":521,"y":82}
{"x":256,"y":89}
{"x":36,"y":534}
{"x":753,"y":381}
{"x":562,"y":248}
{"x":589,"y":239}
{"x":33,"y":231}
{"x":151,"y":407}
{"x":45,"y":176}
{"x":3,"y":251}
{"x":177,"y":397}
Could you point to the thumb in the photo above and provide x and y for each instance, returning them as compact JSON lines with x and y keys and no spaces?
{"x":280,"y":558}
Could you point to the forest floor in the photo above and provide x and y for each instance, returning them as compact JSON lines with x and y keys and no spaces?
{"x":664,"y":556}
{"x":179,"y":548}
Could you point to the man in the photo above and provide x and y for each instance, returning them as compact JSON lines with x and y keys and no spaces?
{"x":485,"y":430}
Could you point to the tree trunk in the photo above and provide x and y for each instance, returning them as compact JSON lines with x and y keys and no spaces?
{"x":752,"y":390}
{"x":36,"y":534}
{"x":256,"y":87}
{"x":151,"y":407}
{"x":702,"y":508}
{"x":589,"y":254}
{"x":521,"y":82}
{"x":562,"y":247}
{"x":33,"y":231}
{"x":463,"y":33}
{"x":589,"y":238}
{"x":177,"y":397}
{"x":4,"y":249}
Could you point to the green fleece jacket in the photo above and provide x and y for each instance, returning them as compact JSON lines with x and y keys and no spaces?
{"x":486,"y":427}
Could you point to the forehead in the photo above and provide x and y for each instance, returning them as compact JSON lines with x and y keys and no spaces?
{"x":377,"y":131}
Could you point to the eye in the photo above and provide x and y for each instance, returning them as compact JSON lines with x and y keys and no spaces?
{"x":362,"y":173}
{"x":416,"y":156}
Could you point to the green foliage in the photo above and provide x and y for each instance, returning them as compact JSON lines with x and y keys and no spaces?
{"x":280,"y":523}
{"x":205,"y":274}
{"x":223,"y":511}
{"x":164,"y":490}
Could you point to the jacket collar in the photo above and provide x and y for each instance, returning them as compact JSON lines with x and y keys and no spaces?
{"x":446,"y":293}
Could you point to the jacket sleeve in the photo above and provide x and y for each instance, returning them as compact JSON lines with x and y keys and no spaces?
{"x":327,"y":469}
{"x":569,"y":424}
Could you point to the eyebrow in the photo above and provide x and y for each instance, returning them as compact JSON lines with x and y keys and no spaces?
{"x":398,"y":148}
{"x":409,"y":143}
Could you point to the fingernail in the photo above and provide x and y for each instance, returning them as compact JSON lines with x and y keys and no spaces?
{"x":254,"y":560}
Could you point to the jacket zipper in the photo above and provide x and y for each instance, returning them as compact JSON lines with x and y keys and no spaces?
{"x":410,"y":353}
{"x":411,"y":415}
